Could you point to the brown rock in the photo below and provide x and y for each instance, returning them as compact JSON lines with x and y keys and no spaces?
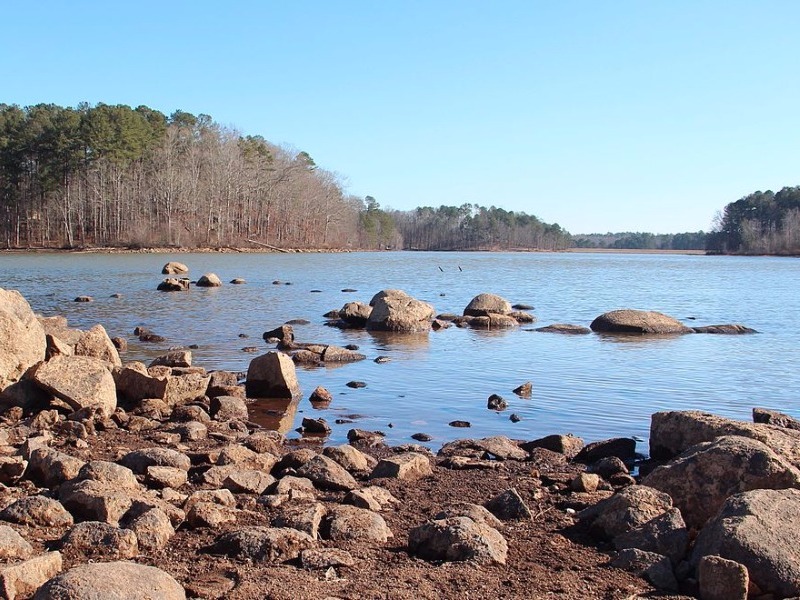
{"x":272,"y":375}
{"x":94,"y":539}
{"x":37,"y":511}
{"x":327,"y":474}
{"x":174,"y":268}
{"x":13,"y":546}
{"x":304,"y":517}
{"x":626,"y":510}
{"x":509,"y":506}
{"x":209,"y":280}
{"x":95,"y":343}
{"x":22,"y":337}
{"x":21,"y":580}
{"x":410,"y":465}
{"x":346,"y":522}
{"x":484,"y":305}
{"x":111,"y":580}
{"x":153,"y":529}
{"x":267,"y":544}
{"x":176,"y":358}
{"x":78,"y":380}
{"x":458,"y":539}
{"x":394,"y":310}
{"x":638,"y":322}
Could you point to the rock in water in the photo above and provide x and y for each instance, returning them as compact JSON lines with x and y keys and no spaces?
{"x":209,"y":280}
{"x":272,"y":375}
{"x":174,"y":268}
{"x":638,"y":322}
{"x":394,"y":310}
{"x":484,"y":305}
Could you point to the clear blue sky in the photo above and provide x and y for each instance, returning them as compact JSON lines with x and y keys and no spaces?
{"x":601,"y":116}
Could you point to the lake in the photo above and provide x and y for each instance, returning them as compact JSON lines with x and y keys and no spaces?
{"x":594,"y":386}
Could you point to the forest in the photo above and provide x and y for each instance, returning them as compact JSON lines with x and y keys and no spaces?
{"x":117,"y":176}
{"x":760,"y":223}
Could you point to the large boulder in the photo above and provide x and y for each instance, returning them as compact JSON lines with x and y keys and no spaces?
{"x":626,"y":510}
{"x":209,"y":280}
{"x":174,"y":268}
{"x":22,"y":337}
{"x":77,"y":380}
{"x":484,"y":305}
{"x":701,"y":478}
{"x":272,"y":375}
{"x":134,"y":383}
{"x":758,"y":529}
{"x":397,"y":311}
{"x":97,"y":344}
{"x":638,"y":322}
{"x":111,"y":581}
{"x":676,"y":431}
{"x":268,"y":544}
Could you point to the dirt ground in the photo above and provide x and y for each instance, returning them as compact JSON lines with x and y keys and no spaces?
{"x":550,"y":555}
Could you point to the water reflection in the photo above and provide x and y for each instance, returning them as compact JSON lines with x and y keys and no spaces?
{"x":639,"y":339}
{"x":277,"y":414}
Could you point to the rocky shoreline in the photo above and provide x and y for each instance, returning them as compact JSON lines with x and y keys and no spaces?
{"x":125,"y":480}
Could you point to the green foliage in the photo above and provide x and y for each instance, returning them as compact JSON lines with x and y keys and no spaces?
{"x":760,"y":223}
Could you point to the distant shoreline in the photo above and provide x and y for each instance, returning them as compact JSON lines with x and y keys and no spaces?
{"x":244,"y":250}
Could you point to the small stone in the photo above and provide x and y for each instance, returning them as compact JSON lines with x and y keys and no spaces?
{"x":460,"y":424}
{"x":525,"y":390}
{"x":515,"y":418}
{"x":84,"y":299}
{"x":496,"y":402}
{"x":12,"y":545}
{"x":356,"y":384}
{"x":95,"y":539}
{"x":320,"y":396}
{"x":21,"y":580}
{"x":422,"y":437}
{"x":508,"y":506}
{"x":585,"y":482}
{"x":411,"y":465}
{"x":324,"y":558}
{"x":722,"y":579}
{"x":319,"y":426}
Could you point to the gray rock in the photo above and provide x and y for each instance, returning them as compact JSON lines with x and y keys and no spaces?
{"x":458,"y":539}
{"x":37,"y":511}
{"x":174,"y":284}
{"x":77,"y":380}
{"x":722,"y":579}
{"x":638,"y":322}
{"x":263,"y":544}
{"x":725,"y":329}
{"x":665,"y":534}
{"x":22,"y":337}
{"x":625,"y":510}
{"x":272,"y":375}
{"x":208,"y":514}
{"x":509,"y":506}
{"x":109,"y":472}
{"x":165,"y":477}
{"x":757,"y":529}
{"x":95,"y":539}
{"x":655,"y":568}
{"x":111,"y":581}
{"x":355,"y":314}
{"x":346,"y":522}
{"x":327,"y":474}
{"x":701,"y":479}
{"x":476,"y":512}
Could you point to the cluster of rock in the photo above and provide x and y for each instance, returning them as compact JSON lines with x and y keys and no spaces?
{"x":183,"y":284}
{"x":719,"y":512}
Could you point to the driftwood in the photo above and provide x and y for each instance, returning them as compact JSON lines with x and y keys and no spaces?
{"x":268,"y":246}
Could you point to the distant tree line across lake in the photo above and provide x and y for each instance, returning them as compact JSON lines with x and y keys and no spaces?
{"x":113,"y":175}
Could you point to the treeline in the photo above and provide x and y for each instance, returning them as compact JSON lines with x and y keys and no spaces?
{"x":119,"y":176}
{"x":642,"y":241}
{"x":474,"y":227}
{"x":760,"y":223}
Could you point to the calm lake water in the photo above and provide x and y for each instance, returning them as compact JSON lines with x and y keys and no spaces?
{"x":593,"y":386}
